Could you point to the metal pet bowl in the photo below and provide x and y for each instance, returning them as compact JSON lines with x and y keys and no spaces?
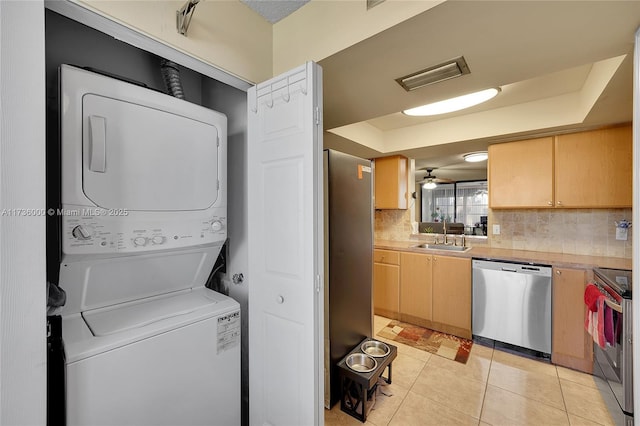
{"x":361,"y":363}
{"x":375,"y":348}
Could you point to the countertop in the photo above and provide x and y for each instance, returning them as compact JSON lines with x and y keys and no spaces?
{"x":554,"y":259}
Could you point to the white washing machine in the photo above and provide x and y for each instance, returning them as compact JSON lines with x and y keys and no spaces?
{"x":143,"y":221}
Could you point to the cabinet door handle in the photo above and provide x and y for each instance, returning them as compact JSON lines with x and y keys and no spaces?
{"x":559,"y":203}
{"x":558,"y":272}
{"x":549,"y":203}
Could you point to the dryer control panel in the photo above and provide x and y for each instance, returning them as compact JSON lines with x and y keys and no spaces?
{"x":101,"y":231}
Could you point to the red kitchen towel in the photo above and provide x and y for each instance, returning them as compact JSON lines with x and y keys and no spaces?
{"x":594,"y":322}
{"x":598,"y":327}
{"x":591,"y":294}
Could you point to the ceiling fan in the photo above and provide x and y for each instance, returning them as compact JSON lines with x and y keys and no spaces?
{"x":430,"y":181}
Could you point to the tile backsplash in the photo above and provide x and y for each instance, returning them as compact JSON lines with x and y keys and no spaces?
{"x":393,"y":225}
{"x":570,"y":231}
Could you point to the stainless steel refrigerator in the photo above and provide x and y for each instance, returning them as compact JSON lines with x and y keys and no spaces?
{"x":348,"y":215}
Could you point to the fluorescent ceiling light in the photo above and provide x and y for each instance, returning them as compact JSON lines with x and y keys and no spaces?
{"x":475,"y":157}
{"x":429,"y":185}
{"x":454,"y":104}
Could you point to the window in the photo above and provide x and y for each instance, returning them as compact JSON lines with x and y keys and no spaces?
{"x":462,"y":202}
{"x":472,"y":201}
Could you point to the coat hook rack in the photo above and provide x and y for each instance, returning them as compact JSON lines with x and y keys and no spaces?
{"x":183,"y":16}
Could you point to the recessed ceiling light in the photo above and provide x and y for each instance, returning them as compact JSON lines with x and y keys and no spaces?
{"x":454,"y":104}
{"x":475,"y":157}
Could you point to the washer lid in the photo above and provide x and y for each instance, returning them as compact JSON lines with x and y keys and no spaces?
{"x":119,"y":318}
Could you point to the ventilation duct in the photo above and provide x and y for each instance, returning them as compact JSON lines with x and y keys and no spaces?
{"x":435,"y":74}
{"x":171,"y":76}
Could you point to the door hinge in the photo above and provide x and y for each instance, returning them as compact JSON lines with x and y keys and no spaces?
{"x":316,"y":114}
{"x":218,"y":141}
{"x":218,"y":185}
{"x":317,"y":283}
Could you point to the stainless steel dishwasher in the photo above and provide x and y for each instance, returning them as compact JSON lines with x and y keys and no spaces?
{"x":512,"y":303}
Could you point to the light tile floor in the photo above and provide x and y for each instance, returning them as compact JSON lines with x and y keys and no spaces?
{"x":492,"y":388}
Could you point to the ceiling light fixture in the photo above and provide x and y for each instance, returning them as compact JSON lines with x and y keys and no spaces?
{"x":475,"y":157}
{"x":454,"y":104}
{"x":441,"y":72}
{"x":429,"y":185}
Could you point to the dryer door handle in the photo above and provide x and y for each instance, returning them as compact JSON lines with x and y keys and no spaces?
{"x":98,"y":142}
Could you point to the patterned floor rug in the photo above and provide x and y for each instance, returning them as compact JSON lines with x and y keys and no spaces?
{"x":435,"y":342}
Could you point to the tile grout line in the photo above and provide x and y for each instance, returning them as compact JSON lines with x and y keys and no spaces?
{"x":566,"y":410}
{"x":408,"y":390}
{"x":486,"y":386}
{"x":444,"y":405}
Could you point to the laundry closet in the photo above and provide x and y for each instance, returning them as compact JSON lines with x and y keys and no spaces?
{"x":138,"y":241}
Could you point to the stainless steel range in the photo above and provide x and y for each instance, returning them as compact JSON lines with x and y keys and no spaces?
{"x":614,"y":363}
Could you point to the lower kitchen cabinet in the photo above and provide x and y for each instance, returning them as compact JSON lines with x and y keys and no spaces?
{"x":386,"y":283}
{"x":415,"y":288}
{"x":435,"y":292}
{"x":571,"y":345}
{"x":452,"y":295}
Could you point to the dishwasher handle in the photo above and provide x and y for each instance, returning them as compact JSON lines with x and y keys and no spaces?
{"x":512,"y":267}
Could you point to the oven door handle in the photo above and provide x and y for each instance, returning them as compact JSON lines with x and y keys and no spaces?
{"x":613,"y":305}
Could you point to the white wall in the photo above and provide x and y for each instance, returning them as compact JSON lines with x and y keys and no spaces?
{"x":236,"y":39}
{"x":226,"y":34}
{"x":22,"y":238}
{"x":324,"y":27}
{"x":636,"y":219}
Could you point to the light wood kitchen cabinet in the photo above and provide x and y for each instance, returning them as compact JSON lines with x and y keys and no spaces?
{"x":590,"y":169}
{"x":435,"y":292}
{"x":386,"y":283}
{"x":415,"y":288}
{"x":520,"y":174}
{"x":452,"y":294}
{"x":391,"y":184}
{"x":594,"y":169}
{"x":572,"y":346}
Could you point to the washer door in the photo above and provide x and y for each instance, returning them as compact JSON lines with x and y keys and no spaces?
{"x":140,"y":158}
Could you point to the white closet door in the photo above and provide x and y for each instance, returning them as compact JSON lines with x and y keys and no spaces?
{"x":285,"y":249}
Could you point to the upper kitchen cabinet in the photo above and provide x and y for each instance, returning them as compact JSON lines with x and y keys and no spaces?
{"x":391,"y":186}
{"x":520,"y":174}
{"x":579,"y":170}
{"x":594,"y":169}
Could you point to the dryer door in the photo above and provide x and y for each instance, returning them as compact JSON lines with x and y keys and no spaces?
{"x":136,"y":157}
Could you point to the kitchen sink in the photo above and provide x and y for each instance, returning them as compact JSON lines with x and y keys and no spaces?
{"x":442,"y":247}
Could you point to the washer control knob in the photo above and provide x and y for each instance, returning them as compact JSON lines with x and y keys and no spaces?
{"x":216,"y":226}
{"x":139,"y":241}
{"x":158,"y":239}
{"x":82,"y":232}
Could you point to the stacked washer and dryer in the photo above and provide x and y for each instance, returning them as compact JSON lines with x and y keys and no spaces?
{"x":143,"y":195}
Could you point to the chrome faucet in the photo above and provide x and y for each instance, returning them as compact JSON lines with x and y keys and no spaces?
{"x":444,"y":230}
